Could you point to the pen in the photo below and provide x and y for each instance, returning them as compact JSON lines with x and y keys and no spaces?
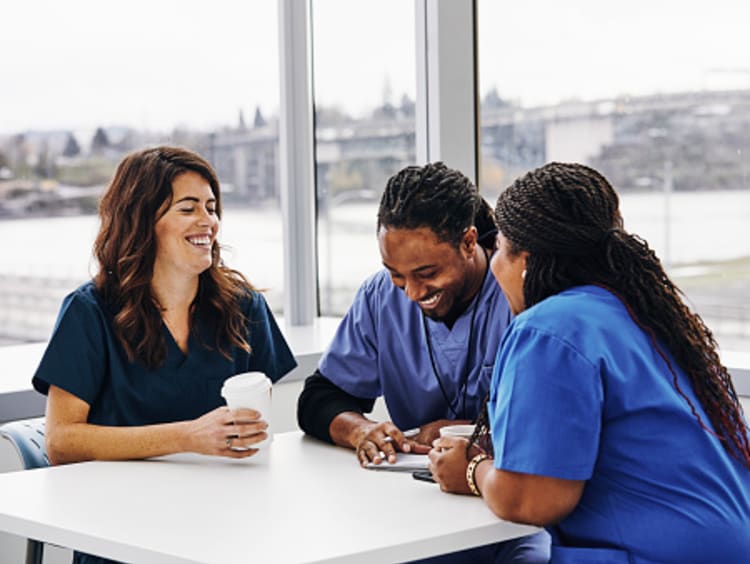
{"x":409,"y":433}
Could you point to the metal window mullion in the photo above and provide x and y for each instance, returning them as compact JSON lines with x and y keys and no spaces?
{"x":446,"y":112}
{"x":296,"y":163}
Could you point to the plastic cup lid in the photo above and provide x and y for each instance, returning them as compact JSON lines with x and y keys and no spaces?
{"x":248,"y":381}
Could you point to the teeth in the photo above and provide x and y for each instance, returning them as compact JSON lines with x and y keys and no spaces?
{"x":430,"y":301}
{"x":201,"y":240}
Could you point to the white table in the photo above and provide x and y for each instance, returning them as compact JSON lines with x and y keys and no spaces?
{"x":311,"y":503}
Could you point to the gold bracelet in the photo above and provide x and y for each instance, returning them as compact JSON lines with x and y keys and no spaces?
{"x":471,"y":470}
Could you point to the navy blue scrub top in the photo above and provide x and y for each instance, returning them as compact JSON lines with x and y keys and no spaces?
{"x":84,"y":358}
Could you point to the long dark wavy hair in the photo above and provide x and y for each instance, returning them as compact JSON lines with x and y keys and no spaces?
{"x":566,"y":216}
{"x":125,"y":248}
{"x":439,"y":198}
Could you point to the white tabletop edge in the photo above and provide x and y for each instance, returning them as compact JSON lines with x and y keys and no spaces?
{"x":89,"y":544}
{"x":419,"y":522}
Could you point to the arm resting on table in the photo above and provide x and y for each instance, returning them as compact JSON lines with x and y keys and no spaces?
{"x":527,"y":498}
{"x":70,"y":438}
{"x":321,"y":401}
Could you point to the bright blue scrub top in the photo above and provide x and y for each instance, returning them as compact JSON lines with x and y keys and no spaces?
{"x":84,"y":357}
{"x":380,"y":349}
{"x":579,"y":392}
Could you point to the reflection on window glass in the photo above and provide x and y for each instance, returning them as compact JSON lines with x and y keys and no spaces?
{"x":88,"y":83}
{"x":365,"y":84}
{"x":662,"y":110}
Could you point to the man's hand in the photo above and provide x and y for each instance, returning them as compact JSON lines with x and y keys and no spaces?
{"x":375,"y":442}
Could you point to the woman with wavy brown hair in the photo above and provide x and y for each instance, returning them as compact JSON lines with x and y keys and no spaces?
{"x":612,"y":421}
{"x":136,"y":362}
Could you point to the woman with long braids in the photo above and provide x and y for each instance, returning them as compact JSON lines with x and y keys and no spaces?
{"x":612,"y":420}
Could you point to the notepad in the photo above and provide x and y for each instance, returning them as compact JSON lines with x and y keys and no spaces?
{"x":405,"y":462}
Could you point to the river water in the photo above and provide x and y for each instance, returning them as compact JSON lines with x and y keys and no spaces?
{"x":683,"y":228}
{"x":702,"y":226}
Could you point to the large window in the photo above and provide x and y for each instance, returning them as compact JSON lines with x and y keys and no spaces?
{"x":83,"y":84}
{"x":655,"y":95}
{"x":365,"y":84}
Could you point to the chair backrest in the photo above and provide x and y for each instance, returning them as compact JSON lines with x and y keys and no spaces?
{"x":27,"y":437}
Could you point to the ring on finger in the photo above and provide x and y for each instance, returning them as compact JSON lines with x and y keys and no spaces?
{"x":229,"y":441}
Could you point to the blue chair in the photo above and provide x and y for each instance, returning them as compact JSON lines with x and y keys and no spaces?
{"x":27,"y":437}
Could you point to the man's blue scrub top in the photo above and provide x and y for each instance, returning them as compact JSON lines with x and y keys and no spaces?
{"x":579,"y":392}
{"x":380,"y":348}
{"x":84,"y":357}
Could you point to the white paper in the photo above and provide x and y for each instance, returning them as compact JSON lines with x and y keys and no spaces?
{"x":405,"y":462}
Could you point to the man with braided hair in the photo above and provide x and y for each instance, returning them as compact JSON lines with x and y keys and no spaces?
{"x":422,"y":333}
{"x":613,"y":422}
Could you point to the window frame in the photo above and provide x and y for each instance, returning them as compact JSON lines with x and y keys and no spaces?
{"x":447,"y":125}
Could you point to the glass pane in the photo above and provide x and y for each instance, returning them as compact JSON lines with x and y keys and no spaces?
{"x":655,"y":95}
{"x":365,"y":85}
{"x":83,"y":84}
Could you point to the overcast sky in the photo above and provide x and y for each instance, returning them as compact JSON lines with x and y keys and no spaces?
{"x":160,"y":63}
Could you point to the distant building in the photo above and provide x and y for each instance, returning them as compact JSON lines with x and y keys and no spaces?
{"x":700,"y":137}
{"x":246,"y":161}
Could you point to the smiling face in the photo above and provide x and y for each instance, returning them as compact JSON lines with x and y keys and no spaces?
{"x":508,"y":268}
{"x":186,"y":230}
{"x":433,"y":273}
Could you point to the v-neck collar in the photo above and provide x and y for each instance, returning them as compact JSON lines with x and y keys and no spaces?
{"x":457,"y":333}
{"x":175,"y":355}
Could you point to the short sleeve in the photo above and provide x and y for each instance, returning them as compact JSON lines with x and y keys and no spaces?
{"x":270,"y":352}
{"x":75,"y":359}
{"x":351,"y":360}
{"x":545,"y":407}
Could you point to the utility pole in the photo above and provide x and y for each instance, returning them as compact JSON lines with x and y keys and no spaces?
{"x":668,"y":187}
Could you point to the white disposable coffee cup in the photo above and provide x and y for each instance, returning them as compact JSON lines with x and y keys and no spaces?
{"x":251,"y":390}
{"x":465,"y":431}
